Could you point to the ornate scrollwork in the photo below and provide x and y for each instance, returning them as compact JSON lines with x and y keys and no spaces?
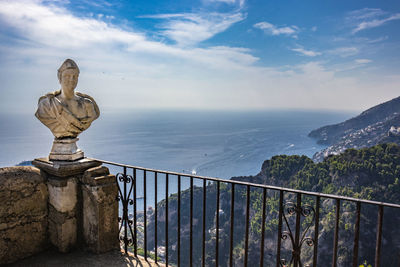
{"x":124,"y":196}
{"x":283,"y":263}
{"x":306,"y":210}
{"x":285,"y":235}
{"x":124,"y":178}
{"x":291,"y":208}
{"x":309,"y":241}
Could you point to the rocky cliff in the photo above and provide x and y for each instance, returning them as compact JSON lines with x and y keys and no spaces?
{"x":377,"y":125}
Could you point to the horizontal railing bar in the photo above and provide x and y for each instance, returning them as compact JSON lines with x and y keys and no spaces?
{"x":271,"y":187}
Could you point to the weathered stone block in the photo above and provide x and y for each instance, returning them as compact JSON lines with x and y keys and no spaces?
{"x":97,"y":176}
{"x":30,"y":201}
{"x":63,"y":205}
{"x":23,"y":213}
{"x":22,"y":241}
{"x":100,"y":211}
{"x":63,"y":198}
{"x":65,"y":168}
{"x":63,"y":235}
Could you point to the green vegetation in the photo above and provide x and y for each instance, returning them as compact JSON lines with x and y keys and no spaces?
{"x":370,"y":173}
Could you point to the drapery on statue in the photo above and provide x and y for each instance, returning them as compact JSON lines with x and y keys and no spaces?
{"x":67,"y":113}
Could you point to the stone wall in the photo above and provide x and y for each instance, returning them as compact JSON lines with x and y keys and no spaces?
{"x":23,"y":213}
{"x":68,"y":205}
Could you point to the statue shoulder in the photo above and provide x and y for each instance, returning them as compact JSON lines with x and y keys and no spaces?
{"x":86,"y":98}
{"x":89,"y":101}
{"x":48,"y":97}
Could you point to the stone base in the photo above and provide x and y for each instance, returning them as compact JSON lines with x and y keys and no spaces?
{"x":65,"y":150}
{"x":82,"y":204}
{"x":63,"y":205}
{"x":100,"y":210}
{"x":65,"y":168}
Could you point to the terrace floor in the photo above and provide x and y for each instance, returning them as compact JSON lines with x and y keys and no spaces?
{"x":81,"y":258}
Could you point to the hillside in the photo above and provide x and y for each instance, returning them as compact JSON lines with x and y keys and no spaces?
{"x":370,"y":128}
{"x":369,"y":173}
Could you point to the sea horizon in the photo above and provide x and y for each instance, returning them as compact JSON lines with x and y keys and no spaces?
{"x":219,"y":144}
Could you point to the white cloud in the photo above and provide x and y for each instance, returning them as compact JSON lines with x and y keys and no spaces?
{"x":97,"y":3}
{"x":224,"y":1}
{"x":368,"y":18}
{"x":365,"y":13}
{"x":57,"y":28}
{"x":375,"y":23}
{"x":305,"y":52}
{"x":371,"y":41}
{"x":362,"y":61}
{"x":346,"y":66}
{"x":191,"y":28}
{"x":344,"y":51}
{"x":274,"y":30}
{"x":125,"y":68}
{"x":240,"y":3}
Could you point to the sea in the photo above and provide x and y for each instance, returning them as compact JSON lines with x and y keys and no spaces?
{"x":219,"y":144}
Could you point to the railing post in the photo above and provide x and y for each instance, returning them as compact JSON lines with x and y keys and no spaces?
{"x":191,"y":224}
{"x":356,"y":236}
{"x":378,"y":237}
{"x":263,"y":228}
{"x":296,"y":249}
{"x":316,"y":231}
{"x":203,"y":246}
{"x":179,"y":221}
{"x":166,"y":218}
{"x":278,"y":247}
{"x":217,"y":227}
{"x":336,"y":234}
{"x":155,"y":216}
{"x":246,"y":242}
{"x":134,"y":213}
{"x":125,"y":214}
{"x":232,"y":225}
{"x":124,"y":195}
{"x":145,"y":213}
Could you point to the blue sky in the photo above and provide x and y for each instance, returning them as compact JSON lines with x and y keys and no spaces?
{"x":207,"y":54}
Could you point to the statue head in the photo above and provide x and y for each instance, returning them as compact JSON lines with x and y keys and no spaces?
{"x":68,"y":75}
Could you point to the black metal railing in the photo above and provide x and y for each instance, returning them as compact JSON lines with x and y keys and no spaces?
{"x":297,"y":222}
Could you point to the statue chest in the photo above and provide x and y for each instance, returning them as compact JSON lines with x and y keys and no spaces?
{"x":76,"y":107}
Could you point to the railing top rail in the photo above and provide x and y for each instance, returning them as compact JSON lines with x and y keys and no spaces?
{"x":271,"y":187}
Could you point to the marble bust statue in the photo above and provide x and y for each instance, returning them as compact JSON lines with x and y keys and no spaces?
{"x":67,"y":113}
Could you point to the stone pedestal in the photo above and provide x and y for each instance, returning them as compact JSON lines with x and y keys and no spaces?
{"x":63,"y":209}
{"x":65,"y":200}
{"x":100,"y":210}
{"x":65,"y":150}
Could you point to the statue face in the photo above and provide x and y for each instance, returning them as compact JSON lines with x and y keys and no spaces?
{"x":69,"y":79}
